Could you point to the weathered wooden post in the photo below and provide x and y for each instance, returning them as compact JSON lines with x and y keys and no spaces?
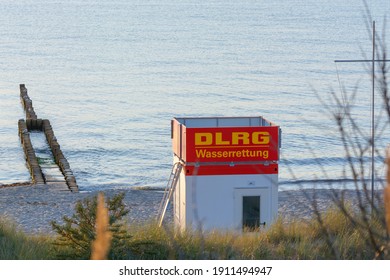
{"x":32,"y":161}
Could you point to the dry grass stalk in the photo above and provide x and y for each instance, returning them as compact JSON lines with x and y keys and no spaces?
{"x":387,"y":193}
{"x":101,"y":245}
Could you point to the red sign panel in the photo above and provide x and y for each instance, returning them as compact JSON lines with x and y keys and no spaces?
{"x":232,"y":144}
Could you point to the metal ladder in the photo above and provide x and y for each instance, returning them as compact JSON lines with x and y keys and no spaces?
{"x":168,"y":192}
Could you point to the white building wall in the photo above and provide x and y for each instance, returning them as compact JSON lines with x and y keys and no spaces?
{"x":210,"y":202}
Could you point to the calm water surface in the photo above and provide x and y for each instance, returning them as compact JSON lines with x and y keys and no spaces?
{"x":111,"y":75}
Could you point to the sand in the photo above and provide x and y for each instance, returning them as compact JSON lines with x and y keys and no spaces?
{"x":32,"y":207}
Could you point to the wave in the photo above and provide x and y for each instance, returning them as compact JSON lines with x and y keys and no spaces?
{"x":337,"y":182}
{"x":319,"y":161}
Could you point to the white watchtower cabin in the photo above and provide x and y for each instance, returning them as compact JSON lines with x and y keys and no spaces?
{"x":225,"y":173}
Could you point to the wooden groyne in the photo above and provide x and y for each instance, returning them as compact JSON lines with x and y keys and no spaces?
{"x":27,"y":104}
{"x":32,"y":123}
{"x":29,"y":152}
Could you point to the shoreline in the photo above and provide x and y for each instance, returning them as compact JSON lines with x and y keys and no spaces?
{"x":20,"y":184}
{"x":32,"y":207}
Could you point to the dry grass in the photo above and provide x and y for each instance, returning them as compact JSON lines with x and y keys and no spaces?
{"x":101,"y":245}
{"x":387,"y":206}
{"x":387,"y":193}
{"x":295,"y":240}
{"x":15,"y":245}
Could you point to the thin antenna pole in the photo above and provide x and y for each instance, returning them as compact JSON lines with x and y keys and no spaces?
{"x":373,"y":115}
{"x":373,"y":60}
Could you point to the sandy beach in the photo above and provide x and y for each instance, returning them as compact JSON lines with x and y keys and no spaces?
{"x":32,"y":207}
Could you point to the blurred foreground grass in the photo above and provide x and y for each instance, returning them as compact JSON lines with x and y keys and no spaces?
{"x":295,"y":240}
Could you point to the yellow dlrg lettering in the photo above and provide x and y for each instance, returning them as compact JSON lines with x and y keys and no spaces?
{"x":241,"y":138}
{"x":236,"y":138}
{"x":204,"y":138}
{"x":219,"y":140}
{"x":260,"y":138}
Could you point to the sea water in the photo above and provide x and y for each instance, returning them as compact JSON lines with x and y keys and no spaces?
{"x":110,"y":75}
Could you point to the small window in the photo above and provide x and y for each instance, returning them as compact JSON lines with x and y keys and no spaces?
{"x":250,"y":212}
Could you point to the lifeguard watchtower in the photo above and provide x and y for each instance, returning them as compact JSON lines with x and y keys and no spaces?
{"x":225,"y":173}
